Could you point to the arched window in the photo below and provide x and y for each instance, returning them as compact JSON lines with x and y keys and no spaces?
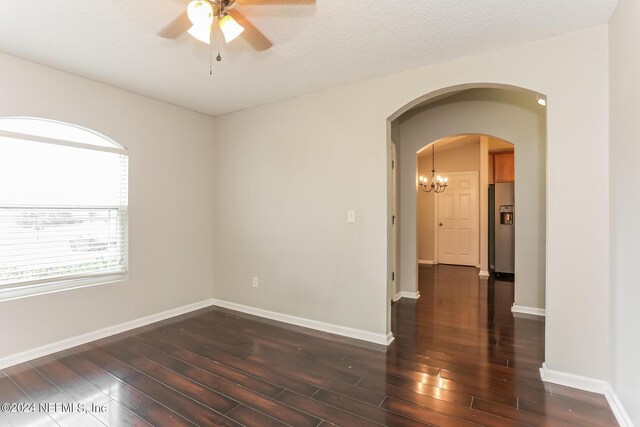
{"x":63,"y":207}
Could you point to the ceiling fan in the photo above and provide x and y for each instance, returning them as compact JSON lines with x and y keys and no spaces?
{"x":200,"y":16}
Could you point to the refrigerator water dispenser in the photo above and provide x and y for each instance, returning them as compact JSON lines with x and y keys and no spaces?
{"x":506,"y":214}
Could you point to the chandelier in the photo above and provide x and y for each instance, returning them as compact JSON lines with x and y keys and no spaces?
{"x":438,"y":184}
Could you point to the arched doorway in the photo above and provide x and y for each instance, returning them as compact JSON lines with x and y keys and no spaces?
{"x":510,"y":113}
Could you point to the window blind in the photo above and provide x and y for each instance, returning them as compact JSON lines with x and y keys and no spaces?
{"x":63,"y":210}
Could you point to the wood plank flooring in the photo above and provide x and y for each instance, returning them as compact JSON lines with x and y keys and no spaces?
{"x":460,"y":358}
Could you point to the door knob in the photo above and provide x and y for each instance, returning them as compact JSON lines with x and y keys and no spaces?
{"x":440,"y":224}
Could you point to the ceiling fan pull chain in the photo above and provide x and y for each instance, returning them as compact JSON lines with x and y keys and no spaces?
{"x":211,"y":50}
{"x":219,"y":57}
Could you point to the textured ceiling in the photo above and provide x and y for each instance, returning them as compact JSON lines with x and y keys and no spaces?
{"x":315,"y":46}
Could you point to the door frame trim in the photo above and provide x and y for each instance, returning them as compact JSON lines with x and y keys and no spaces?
{"x":394,"y":222}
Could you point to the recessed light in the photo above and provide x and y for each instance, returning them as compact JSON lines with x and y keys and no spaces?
{"x":542,"y":101}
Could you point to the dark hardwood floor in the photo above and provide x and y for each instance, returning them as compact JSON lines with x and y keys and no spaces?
{"x":460,"y":358}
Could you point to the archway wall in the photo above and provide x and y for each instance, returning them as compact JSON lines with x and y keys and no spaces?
{"x":572,"y":72}
{"x":287,"y":172}
{"x":510,"y":114}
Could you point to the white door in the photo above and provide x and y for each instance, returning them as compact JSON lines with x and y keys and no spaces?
{"x":457,"y":220}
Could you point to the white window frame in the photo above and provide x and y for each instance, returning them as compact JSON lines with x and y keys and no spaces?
{"x":46,"y":286}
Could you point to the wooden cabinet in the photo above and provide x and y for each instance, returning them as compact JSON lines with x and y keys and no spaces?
{"x":503,"y":167}
{"x":491,"y":177}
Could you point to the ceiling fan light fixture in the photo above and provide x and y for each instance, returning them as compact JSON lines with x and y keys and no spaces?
{"x":230,"y":27}
{"x":200,"y":13}
{"x":201,"y":32}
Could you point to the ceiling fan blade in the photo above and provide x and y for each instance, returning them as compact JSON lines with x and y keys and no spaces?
{"x":268,"y":2}
{"x":176,"y":27}
{"x":255,"y":38}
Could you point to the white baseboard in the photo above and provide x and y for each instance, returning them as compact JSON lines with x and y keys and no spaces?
{"x":383,"y":339}
{"x":411,"y":295}
{"x":572,"y":380}
{"x":588,"y":384}
{"x":403,"y":294}
{"x":65,"y":344}
{"x":483,"y":274}
{"x":618,"y":410}
{"x":426,"y":262}
{"x":390,"y":338}
{"x":528,"y":310}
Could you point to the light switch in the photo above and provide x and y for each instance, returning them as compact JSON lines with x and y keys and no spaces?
{"x":351,"y":215}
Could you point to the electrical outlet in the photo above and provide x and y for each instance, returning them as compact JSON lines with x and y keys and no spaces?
{"x":255,"y":282}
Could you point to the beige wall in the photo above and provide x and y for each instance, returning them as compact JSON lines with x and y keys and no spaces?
{"x":278,"y":183}
{"x":170,"y":205}
{"x":460,"y":159}
{"x":514,"y":116}
{"x":624,"y":33}
{"x":288,"y":171}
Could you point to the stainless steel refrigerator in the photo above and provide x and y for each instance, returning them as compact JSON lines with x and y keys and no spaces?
{"x":502,"y":228}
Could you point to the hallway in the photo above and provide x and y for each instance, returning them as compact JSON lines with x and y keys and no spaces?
{"x":466,"y":347}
